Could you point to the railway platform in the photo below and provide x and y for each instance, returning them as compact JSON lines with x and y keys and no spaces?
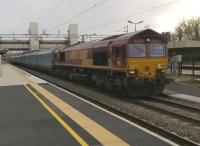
{"x":36,"y":113}
{"x":185,"y":87}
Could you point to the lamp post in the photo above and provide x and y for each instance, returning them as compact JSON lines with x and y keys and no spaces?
{"x":135,"y":23}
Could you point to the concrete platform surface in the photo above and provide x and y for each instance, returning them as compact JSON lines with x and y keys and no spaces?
{"x":36,"y":113}
{"x":184,"y":87}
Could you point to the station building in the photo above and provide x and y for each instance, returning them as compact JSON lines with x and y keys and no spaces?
{"x":189,"y":49}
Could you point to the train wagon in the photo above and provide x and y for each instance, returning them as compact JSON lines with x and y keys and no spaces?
{"x":37,"y":59}
{"x":45,"y":60}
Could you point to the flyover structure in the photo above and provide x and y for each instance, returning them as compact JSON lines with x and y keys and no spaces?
{"x":35,"y":41}
{"x":26,"y":44}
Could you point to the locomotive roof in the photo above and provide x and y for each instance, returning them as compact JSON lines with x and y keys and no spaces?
{"x":139,"y":34}
{"x":80,"y":46}
{"x":112,"y":37}
{"x":115,"y":39}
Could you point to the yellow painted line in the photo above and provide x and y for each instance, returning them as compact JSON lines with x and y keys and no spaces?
{"x":58,"y":118}
{"x":104,"y":136}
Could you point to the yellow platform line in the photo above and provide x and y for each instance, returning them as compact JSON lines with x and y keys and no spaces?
{"x":104,"y":136}
{"x":58,"y":118}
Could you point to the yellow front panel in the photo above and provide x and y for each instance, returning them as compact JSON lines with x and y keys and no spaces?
{"x":147,"y":66}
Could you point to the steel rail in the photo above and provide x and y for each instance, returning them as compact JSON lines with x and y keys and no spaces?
{"x":170,"y":113}
{"x":174,"y":103}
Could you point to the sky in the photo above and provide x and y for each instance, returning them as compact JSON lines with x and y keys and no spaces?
{"x":94,"y":16}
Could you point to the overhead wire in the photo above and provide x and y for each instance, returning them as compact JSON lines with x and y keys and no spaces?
{"x":132,"y":15}
{"x":78,"y":15}
{"x":52,"y":10}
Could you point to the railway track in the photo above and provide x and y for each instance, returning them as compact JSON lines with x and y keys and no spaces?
{"x":172,"y":112}
{"x":185,"y":112}
{"x":194,"y":107}
{"x":121,"y":111}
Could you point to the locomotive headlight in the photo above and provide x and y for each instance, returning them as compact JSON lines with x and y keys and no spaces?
{"x":159,"y":66}
{"x":132,"y":72}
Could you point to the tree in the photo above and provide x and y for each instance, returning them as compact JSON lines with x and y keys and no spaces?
{"x":189,"y":29}
{"x":179,"y":32}
{"x":166,"y":35}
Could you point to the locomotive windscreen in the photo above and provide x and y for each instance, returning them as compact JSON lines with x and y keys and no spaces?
{"x":137,"y":50}
{"x":156,"y":49}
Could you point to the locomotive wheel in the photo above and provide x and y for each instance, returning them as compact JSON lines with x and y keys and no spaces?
{"x":132,"y":92}
{"x":157,"y":89}
{"x":124,"y":92}
{"x":117,"y":89}
{"x":96,"y":81}
{"x":109,"y":85}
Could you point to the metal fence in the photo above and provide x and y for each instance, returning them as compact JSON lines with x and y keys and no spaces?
{"x":189,"y":65}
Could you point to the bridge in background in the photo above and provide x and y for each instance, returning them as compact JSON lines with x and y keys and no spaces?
{"x":25,"y":44}
{"x":34,"y":41}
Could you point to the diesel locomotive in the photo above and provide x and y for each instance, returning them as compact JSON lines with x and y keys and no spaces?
{"x":133,"y":63}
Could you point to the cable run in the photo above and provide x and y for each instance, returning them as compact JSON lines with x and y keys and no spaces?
{"x":52,"y":10}
{"x":134,"y":14}
{"x":78,"y":15}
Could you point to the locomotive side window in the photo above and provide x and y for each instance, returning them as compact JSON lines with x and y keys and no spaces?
{"x":100,"y":58}
{"x":62,"y":57}
{"x":118,"y":52}
{"x":137,"y":50}
{"x":156,"y":49}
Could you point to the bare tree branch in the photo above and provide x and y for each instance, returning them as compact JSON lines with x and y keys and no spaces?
{"x":189,"y":29}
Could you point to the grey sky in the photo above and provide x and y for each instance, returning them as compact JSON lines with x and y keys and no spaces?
{"x":16,"y":14}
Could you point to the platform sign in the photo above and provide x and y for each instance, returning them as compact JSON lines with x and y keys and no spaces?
{"x":179,"y":58}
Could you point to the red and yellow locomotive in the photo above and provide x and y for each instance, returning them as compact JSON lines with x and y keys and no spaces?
{"x":132,"y":63}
